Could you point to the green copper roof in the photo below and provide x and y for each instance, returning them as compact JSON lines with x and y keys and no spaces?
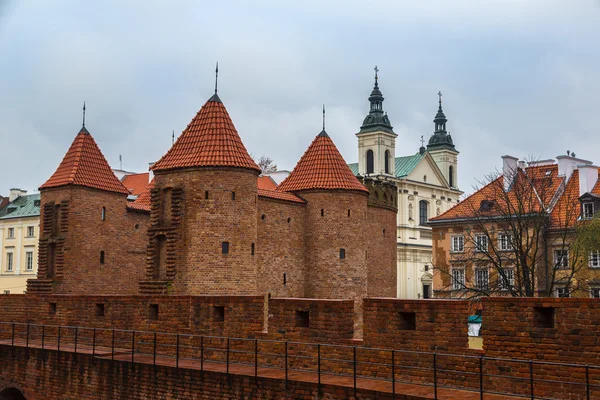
{"x":23,"y":206}
{"x":404,"y":165}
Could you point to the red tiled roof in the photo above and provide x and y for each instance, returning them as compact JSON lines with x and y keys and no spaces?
{"x":272,"y":194}
{"x":321,"y":167}
{"x":84,"y":165}
{"x":142,"y":203}
{"x":567,"y":209}
{"x":136,"y":183}
{"x":266,"y":182}
{"x":596,"y":189}
{"x":210,"y":139}
{"x":544,"y":179}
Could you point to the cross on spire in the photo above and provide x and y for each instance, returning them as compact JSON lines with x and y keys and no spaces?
{"x":376,"y":71}
{"x":216,"y":77}
{"x":323,"y":116}
{"x":440,"y":97}
{"x":83,"y":124}
{"x":422,"y":141}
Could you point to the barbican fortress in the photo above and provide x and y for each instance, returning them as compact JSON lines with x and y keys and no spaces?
{"x":203,"y":227}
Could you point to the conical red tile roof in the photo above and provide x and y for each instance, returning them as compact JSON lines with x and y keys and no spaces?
{"x":321,"y":167}
{"x":84,"y":165}
{"x":209,"y":140}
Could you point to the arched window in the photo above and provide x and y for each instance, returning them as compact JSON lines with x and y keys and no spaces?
{"x":451,"y":176}
{"x":423,"y":205}
{"x":370,"y":162}
{"x":387,"y":161}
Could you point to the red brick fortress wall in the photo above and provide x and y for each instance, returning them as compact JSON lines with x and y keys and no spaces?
{"x":72,"y":225}
{"x":418,"y":325}
{"x":319,"y":321}
{"x":280,"y":248}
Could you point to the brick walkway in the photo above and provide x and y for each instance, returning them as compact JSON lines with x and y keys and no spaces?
{"x":403,"y":391}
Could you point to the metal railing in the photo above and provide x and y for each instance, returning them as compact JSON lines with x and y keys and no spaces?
{"x":526,"y":378}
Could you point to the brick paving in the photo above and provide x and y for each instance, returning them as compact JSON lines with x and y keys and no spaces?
{"x":403,"y":390}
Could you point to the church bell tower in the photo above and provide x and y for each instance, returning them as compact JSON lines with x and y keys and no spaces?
{"x":442,"y":148}
{"x":376,"y":138}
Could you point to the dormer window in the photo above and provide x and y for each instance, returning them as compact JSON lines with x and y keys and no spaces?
{"x":486,"y":205}
{"x":587,"y":210}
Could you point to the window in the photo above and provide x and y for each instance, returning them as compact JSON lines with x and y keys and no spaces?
{"x":595,"y":293}
{"x":588,"y":210}
{"x":232,"y":195}
{"x":9,"y":261}
{"x":451,"y":176}
{"x":543,"y":317}
{"x":458,"y":244}
{"x":423,"y":205}
{"x":322,"y":212}
{"x":302,"y":319}
{"x":103,"y":213}
{"x":595,"y":259}
{"x":506,"y":278}
{"x":29,"y":261}
{"x":407,"y":321}
{"x":425,"y":178}
{"x":370,"y":162}
{"x":387,"y":161}
{"x":30,"y":231}
{"x":481,"y":243}
{"x":562,"y":292}
{"x":505,"y":242}
{"x":218,"y":313}
{"x":252,"y":249}
{"x":102,"y":257}
{"x":11,"y":233}
{"x":426,"y":291}
{"x":342,"y":254}
{"x":284,"y":278}
{"x":225,"y":248}
{"x":458,"y":278}
{"x":206,"y":195}
{"x":153,"y":312}
{"x":482,"y":278}
{"x":561,"y":259}
{"x":100,"y":310}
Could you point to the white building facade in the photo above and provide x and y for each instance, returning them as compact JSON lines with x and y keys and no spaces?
{"x":427,"y":186}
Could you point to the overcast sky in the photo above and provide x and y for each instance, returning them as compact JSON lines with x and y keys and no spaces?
{"x":519,"y":77}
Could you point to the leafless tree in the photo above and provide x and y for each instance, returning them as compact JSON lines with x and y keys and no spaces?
{"x":266,"y":164}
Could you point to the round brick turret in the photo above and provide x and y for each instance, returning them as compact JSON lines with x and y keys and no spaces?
{"x":203,"y":231}
{"x":336,"y":246}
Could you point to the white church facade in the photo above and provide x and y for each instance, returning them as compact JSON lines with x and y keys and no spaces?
{"x":427,"y":186}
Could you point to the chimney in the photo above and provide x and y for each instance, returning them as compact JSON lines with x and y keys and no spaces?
{"x":567,"y":164}
{"x":588,"y":176}
{"x":14,"y":193}
{"x":151,"y":175}
{"x":509,"y":169}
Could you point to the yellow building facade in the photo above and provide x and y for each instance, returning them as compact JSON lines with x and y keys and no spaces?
{"x":19,"y":234}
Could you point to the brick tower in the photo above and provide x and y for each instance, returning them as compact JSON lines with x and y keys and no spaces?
{"x":203,"y":233}
{"x":84,"y":223}
{"x":335,"y":219}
